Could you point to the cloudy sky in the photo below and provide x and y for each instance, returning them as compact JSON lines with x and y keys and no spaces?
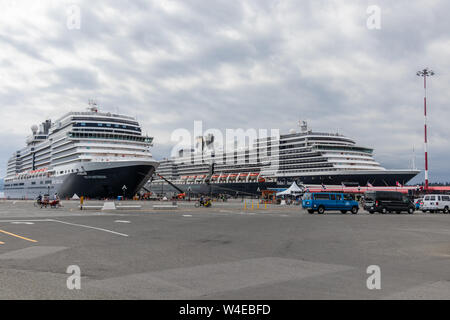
{"x":233,"y":64}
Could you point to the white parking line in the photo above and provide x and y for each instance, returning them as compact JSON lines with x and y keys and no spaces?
{"x":187,"y":215}
{"x":34,"y":220}
{"x":90,"y":227}
{"x":68,"y":223}
{"x":22,"y":222}
{"x":122,"y":221}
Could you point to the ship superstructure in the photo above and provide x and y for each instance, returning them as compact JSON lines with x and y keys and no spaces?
{"x":92,"y":154}
{"x":306,"y":157}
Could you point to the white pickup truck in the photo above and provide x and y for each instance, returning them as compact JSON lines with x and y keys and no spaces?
{"x":436,"y":202}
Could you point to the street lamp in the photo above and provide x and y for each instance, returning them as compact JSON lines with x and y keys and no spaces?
{"x":425,"y":73}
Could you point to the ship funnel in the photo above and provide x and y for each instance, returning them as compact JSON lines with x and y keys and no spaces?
{"x":209,"y":141}
{"x":46,"y":126}
{"x":199,"y":144}
{"x":34,"y":129}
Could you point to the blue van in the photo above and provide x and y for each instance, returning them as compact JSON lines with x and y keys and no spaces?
{"x":321,"y":201}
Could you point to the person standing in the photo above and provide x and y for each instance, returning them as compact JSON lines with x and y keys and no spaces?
{"x":81,"y":202}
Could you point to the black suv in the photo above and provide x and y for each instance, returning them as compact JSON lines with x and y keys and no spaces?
{"x":387,"y":201}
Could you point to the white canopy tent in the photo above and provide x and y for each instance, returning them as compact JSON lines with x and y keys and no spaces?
{"x":294,"y":189}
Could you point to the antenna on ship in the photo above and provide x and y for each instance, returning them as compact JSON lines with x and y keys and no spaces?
{"x":92,"y":105}
{"x":303,"y":126}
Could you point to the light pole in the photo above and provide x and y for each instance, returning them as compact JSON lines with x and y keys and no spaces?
{"x":425,"y":73}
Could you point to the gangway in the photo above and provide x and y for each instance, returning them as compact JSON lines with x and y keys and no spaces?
{"x":181,"y":194}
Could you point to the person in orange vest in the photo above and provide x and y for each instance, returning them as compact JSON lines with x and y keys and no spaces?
{"x":81,"y":202}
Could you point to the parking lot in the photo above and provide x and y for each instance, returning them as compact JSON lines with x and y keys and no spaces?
{"x":221,"y":252}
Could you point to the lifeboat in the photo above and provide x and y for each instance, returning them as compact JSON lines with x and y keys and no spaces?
{"x":243,"y":176}
{"x":253,"y":176}
{"x":38,"y":170}
{"x":200,"y":178}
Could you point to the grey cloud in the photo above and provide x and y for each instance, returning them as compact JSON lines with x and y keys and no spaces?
{"x":23,"y":47}
{"x":74,"y":78}
{"x":350,"y":79}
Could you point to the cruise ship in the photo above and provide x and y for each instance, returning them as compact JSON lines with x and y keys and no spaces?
{"x":92,"y":154}
{"x":305,"y":156}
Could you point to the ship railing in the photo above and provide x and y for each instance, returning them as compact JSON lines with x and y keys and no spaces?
{"x":107,"y":114}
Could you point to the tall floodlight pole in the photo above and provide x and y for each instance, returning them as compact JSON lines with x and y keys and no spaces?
{"x":425,"y":73}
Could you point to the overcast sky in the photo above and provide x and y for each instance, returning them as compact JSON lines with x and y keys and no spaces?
{"x":233,"y":64}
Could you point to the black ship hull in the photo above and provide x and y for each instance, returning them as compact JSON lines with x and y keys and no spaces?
{"x":107,"y":183}
{"x":254,"y":188}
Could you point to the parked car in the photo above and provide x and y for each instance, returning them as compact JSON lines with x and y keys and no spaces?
{"x":436,"y":202}
{"x":323,"y":201}
{"x":387,"y":201}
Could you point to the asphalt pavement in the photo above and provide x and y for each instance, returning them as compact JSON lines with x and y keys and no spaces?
{"x":223,"y":252}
